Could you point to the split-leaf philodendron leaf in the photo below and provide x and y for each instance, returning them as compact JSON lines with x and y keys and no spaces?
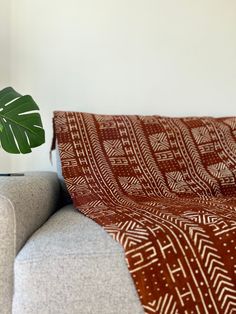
{"x":20,"y":124}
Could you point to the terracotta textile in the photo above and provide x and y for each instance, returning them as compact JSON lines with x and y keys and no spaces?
{"x":165,"y":188}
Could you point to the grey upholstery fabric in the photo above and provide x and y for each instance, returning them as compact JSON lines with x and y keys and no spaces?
{"x":72,"y":266}
{"x":7,"y":254}
{"x":25,"y":204}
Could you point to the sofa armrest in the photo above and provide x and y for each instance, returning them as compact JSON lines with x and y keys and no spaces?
{"x":26,"y":202}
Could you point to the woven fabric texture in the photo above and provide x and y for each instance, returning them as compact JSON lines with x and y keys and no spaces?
{"x":165,"y":189}
{"x":26,"y":202}
{"x":72,"y":266}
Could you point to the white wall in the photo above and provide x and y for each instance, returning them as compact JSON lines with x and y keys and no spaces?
{"x":5,"y":159}
{"x":124,"y":56}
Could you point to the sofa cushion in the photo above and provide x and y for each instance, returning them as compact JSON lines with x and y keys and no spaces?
{"x":71,"y":265}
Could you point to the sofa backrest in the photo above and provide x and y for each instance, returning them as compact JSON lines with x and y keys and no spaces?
{"x":191,"y":156}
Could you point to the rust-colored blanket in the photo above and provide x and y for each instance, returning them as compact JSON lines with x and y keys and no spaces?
{"x":165,"y":188}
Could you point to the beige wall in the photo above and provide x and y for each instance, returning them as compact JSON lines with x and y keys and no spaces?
{"x":124,"y":56}
{"x":5,"y":164}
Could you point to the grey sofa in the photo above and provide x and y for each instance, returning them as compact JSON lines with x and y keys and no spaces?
{"x":55,"y":260}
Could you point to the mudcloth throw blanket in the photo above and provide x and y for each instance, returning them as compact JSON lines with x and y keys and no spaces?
{"x":165,"y":188}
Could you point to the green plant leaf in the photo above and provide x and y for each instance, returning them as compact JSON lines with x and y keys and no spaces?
{"x":20,"y":124}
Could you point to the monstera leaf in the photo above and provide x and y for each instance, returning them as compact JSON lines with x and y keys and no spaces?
{"x":20,"y":124}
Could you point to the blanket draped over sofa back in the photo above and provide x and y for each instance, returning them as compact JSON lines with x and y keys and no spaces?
{"x":165,"y":189}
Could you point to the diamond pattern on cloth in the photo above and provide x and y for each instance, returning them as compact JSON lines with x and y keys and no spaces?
{"x":165,"y":189}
